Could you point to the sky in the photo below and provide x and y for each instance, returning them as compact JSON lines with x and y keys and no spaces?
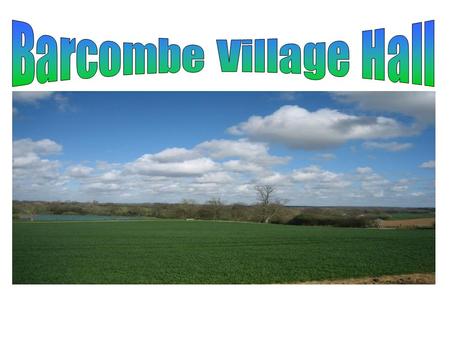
{"x":315,"y":148}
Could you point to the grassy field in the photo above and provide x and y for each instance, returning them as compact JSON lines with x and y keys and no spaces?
{"x":175,"y":251}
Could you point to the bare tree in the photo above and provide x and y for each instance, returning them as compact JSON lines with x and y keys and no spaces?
{"x":31,"y":212}
{"x":187,"y":208}
{"x":268,"y":205}
{"x":216,"y":206}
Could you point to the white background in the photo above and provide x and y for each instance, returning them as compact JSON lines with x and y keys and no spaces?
{"x":225,"y":311}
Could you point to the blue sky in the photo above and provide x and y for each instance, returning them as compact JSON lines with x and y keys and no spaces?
{"x":317,"y":148}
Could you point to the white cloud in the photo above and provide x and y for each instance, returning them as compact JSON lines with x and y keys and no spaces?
{"x":419,"y":105}
{"x":175,"y":155}
{"x":151,"y":165}
{"x":62,"y":102}
{"x":299,"y":128}
{"x":104,"y":165}
{"x":27,"y":161}
{"x":428,"y":164}
{"x":245,"y":189}
{"x":312,"y":173}
{"x":387,"y":146}
{"x":215,"y":168}
{"x":35,"y":98}
{"x":371,"y":183}
{"x":243,"y":149}
{"x":31,"y":97}
{"x":323,"y":179}
{"x":274,"y":178}
{"x":31,"y":172}
{"x":228,"y":148}
{"x":101,"y":187}
{"x":241,"y":166}
{"x":215,"y":177}
{"x":79,"y":171}
{"x":417,"y":194}
{"x":211,"y":168}
{"x":41,"y":147}
{"x":110,"y":176}
{"x":399,"y":188}
{"x":325,"y":157}
{"x":364,"y":170}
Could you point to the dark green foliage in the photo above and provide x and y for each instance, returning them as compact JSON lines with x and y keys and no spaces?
{"x":332,"y":220}
{"x":199,"y":252}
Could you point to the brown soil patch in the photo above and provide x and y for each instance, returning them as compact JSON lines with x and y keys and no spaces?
{"x":413,"y":278}
{"x":409,"y":223}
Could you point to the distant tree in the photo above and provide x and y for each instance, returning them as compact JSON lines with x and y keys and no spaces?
{"x":216,"y":206}
{"x":239,"y":212}
{"x":31,"y":212}
{"x":268,"y":206}
{"x":187,"y":207}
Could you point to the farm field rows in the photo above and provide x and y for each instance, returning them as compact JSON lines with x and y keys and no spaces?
{"x":207,"y":252}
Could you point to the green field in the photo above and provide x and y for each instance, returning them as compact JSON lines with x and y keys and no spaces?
{"x":176,"y":251}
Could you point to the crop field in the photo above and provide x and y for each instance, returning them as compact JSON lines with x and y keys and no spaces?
{"x":207,"y":252}
{"x":410,"y":215}
{"x":409,"y":223}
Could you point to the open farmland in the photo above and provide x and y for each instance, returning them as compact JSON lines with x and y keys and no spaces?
{"x":178,"y":251}
{"x":408,"y":223}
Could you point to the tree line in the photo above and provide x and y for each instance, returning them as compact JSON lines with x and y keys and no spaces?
{"x":266,"y":209}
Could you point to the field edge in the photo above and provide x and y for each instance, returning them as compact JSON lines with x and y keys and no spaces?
{"x":411,"y":278}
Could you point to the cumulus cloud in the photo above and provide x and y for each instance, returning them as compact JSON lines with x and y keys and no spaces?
{"x":110,"y":176}
{"x":60,"y":100}
{"x":273,"y":178}
{"x":104,"y":165}
{"x":32,"y":171}
{"x":31,"y":97}
{"x":152,"y":165}
{"x":418,"y":105}
{"x":299,"y":128}
{"x":27,"y":155}
{"x":312,"y":173}
{"x":324,"y":179}
{"x":428,"y":165}
{"x":401,"y":186}
{"x":210,"y":156}
{"x":243,"y":149}
{"x":364,"y":170}
{"x":79,"y":171}
{"x":226,"y":168}
{"x":371,"y":183}
{"x":210,"y":168}
{"x":215,"y":177}
{"x":175,"y":155}
{"x":101,"y":187}
{"x":387,"y":146}
{"x":41,"y":147}
{"x":241,"y":166}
